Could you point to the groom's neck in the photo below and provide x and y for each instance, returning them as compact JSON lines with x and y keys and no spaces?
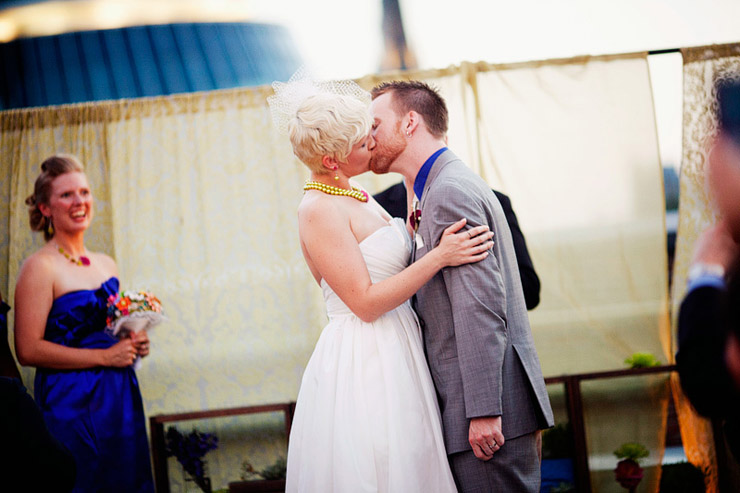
{"x":416,"y":154}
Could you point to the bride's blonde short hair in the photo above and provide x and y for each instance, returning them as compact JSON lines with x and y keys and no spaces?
{"x":328,"y":125}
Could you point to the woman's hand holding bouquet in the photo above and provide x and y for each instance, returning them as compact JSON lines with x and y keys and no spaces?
{"x":130,"y":315}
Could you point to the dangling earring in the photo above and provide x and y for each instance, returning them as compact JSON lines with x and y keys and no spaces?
{"x":336,"y":175}
{"x":50,"y":227}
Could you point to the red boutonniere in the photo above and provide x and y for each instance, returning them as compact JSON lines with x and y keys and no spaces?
{"x":415,"y":219}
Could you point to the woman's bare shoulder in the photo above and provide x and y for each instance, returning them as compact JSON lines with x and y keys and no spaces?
{"x":105,"y":261}
{"x":42,"y":260}
{"x":37,"y":270}
{"x":319,"y":207}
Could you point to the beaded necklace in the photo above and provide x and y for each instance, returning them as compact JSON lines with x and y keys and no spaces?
{"x":83,"y":260}
{"x":355,"y":193}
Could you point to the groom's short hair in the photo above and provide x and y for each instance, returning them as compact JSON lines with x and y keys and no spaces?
{"x":418,"y":96}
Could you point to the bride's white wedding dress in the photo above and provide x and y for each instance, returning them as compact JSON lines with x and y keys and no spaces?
{"x":367,"y":418}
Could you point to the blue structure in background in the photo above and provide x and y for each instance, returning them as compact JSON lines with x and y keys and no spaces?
{"x":142,"y":61}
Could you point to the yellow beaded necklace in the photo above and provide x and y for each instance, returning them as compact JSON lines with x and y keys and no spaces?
{"x":355,"y":193}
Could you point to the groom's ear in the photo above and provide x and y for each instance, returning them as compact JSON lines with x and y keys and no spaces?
{"x":411,"y":122}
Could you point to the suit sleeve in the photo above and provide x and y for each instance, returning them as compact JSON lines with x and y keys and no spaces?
{"x":702,"y":334}
{"x":478,"y":300}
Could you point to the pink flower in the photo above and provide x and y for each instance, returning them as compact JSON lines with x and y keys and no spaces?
{"x":628,"y":473}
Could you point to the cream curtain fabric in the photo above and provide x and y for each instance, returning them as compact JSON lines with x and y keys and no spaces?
{"x":703,"y":68}
{"x":573,"y":143}
{"x":196,"y":199}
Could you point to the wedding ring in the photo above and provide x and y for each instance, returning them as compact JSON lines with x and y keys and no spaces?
{"x":470,"y":235}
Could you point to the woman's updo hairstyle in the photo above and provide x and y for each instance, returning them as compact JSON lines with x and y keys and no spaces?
{"x":56,"y":165}
{"x":328,"y":125}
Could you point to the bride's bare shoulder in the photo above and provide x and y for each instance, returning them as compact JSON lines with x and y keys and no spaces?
{"x":317,"y":206}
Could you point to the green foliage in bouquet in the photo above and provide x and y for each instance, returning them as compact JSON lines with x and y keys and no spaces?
{"x":278,"y":470}
{"x":642,"y":360}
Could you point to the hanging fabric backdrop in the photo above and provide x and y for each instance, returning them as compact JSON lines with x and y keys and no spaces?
{"x":703,"y":68}
{"x":196,"y":198}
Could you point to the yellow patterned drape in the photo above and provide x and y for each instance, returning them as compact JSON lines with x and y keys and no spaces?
{"x":196,"y":198}
{"x":703,"y":67}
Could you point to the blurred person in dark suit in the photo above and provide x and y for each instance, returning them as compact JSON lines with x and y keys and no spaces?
{"x":394,"y":200}
{"x":33,"y":459}
{"x":8,"y":367}
{"x":708,"y":356}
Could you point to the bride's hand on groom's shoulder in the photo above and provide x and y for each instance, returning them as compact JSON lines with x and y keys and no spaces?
{"x":462,"y":247}
{"x":485,"y":436}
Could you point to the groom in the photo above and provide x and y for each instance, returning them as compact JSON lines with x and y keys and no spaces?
{"x":477,"y":336}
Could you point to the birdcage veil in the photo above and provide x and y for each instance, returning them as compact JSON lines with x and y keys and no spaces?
{"x":290,"y":95}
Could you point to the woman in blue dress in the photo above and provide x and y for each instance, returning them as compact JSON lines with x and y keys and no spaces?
{"x":85,"y":384}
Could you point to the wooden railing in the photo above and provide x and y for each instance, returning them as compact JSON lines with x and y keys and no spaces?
{"x":156,"y":425}
{"x":574,"y":405}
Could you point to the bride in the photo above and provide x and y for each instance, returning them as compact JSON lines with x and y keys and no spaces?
{"x":366,"y":417}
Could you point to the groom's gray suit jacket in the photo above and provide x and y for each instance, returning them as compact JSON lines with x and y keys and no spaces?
{"x":476,"y":331}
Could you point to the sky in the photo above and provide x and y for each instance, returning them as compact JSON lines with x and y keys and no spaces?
{"x":343,"y":39}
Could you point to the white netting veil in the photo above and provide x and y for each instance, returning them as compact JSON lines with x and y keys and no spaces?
{"x":290,"y":95}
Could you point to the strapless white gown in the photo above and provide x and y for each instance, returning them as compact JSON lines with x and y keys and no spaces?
{"x":367,"y":418}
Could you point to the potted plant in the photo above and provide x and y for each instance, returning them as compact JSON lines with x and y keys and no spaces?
{"x":628,"y":472}
{"x":557,"y":459}
{"x":189,"y":451}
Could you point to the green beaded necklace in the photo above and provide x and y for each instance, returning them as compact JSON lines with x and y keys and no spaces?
{"x":83,"y":260}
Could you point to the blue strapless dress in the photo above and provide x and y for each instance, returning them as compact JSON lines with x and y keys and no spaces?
{"x":97,"y":412}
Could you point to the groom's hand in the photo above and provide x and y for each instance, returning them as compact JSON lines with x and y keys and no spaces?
{"x":485,"y":436}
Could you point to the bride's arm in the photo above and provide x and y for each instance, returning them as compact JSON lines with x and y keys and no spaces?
{"x":333,"y":249}
{"x":34,"y":295}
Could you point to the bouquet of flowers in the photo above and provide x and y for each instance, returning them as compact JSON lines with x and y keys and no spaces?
{"x":132,"y":311}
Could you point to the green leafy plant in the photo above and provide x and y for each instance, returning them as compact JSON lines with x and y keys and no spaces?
{"x":189,"y":450}
{"x":631,"y":450}
{"x":563,"y":488}
{"x":272,"y":472}
{"x":642,"y":360}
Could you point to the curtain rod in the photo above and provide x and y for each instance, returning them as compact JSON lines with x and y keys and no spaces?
{"x":663,"y":52}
